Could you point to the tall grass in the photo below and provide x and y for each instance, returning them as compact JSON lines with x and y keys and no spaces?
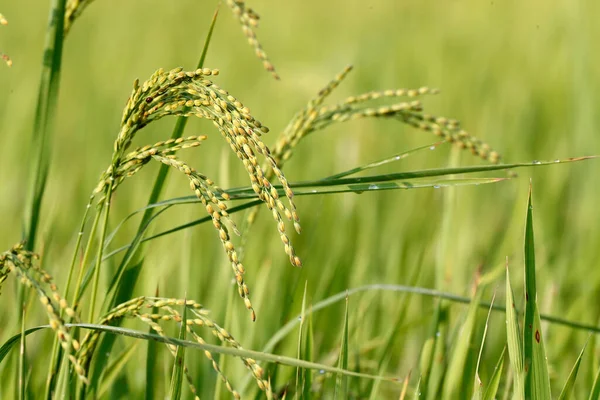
{"x":364,"y":247}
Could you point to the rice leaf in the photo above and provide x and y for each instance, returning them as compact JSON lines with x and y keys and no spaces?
{"x":44,"y":117}
{"x":478,"y":386}
{"x":567,"y":391}
{"x":514,"y":338}
{"x":417,"y":392}
{"x":456,"y":382}
{"x":492,"y":389}
{"x":595,"y":392}
{"x":22,"y":359}
{"x":440,"y":355}
{"x":308,"y":355}
{"x":299,"y":372}
{"x":115,"y":368}
{"x":7,"y":346}
{"x":537,"y":380}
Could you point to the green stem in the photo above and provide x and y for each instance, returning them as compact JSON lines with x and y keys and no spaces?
{"x":100,"y":249}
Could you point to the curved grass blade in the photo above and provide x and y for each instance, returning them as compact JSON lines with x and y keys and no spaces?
{"x":492,"y":389}
{"x":515,"y":341}
{"x":249,"y":194}
{"x":177,"y":375}
{"x":537,"y":379}
{"x":567,"y":391}
{"x":236,"y":352}
{"x":7,"y":346}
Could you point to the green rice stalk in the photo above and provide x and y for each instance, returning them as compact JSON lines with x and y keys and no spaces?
{"x":21,"y":263}
{"x":341,"y":381}
{"x":478,"y":385}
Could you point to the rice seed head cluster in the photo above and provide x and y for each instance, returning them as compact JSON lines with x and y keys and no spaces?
{"x":317,"y":116}
{"x":181,"y":93}
{"x":249,"y":21}
{"x":22,"y":264}
{"x":136,"y":309}
{"x":5,"y":57}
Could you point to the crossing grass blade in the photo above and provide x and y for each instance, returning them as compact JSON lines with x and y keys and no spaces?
{"x":478,"y":386}
{"x":537,"y":379}
{"x":567,"y":390}
{"x":492,"y":389}
{"x":514,"y":338}
{"x":457,"y":383}
{"x":432,"y":384}
{"x":341,"y":382}
{"x":178,"y":364}
{"x":332,"y":184}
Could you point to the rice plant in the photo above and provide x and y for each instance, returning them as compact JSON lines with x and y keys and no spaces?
{"x":385,"y":340}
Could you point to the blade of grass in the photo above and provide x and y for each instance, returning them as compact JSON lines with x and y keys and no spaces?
{"x":308,"y":355}
{"x":432,"y":385}
{"x":595,"y":392}
{"x":537,"y":380}
{"x":567,"y":391}
{"x":492,"y":389}
{"x":114,"y":369}
{"x":477,"y":385}
{"x":300,"y":372}
{"x":456,"y":383}
{"x":341,"y":381}
{"x":22,"y":359}
{"x":256,"y":355}
{"x":513,"y":335}
{"x":178,"y":364}
{"x":387,"y":160}
{"x":44,"y":116}
{"x":417,"y":392}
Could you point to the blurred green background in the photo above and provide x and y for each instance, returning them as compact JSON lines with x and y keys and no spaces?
{"x":522,"y":76}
